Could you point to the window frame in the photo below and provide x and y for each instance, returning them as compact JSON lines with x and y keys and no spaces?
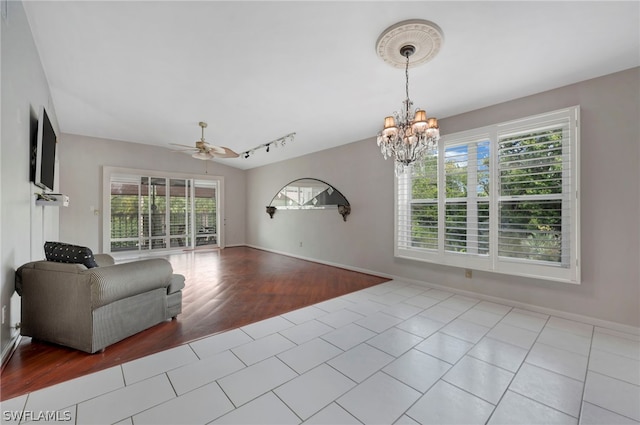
{"x":492,"y":262}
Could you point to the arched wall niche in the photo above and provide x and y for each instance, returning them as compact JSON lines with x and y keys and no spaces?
{"x":309,"y":193}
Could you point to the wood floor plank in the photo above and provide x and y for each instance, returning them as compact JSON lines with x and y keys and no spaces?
{"x":225,"y":289}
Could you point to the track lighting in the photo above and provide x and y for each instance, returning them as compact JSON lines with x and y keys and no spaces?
{"x":282,"y":141}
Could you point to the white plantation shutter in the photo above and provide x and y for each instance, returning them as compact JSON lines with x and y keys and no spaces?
{"x":503,"y":198}
{"x":417,"y":212}
{"x":532,"y":167}
{"x":466,"y":223}
{"x":538,"y":195}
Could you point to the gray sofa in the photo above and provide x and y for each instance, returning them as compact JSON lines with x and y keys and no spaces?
{"x":91,"y":308}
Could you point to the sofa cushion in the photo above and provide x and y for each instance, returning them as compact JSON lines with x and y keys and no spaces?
{"x":66,"y":253}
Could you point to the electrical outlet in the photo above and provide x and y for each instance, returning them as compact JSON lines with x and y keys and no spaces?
{"x":4,"y":313}
{"x":300,"y":244}
{"x":468,"y":274}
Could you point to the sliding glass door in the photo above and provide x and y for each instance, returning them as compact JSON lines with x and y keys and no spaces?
{"x":178,"y":212}
{"x":125,"y":213}
{"x":150,"y":213}
{"x":205,"y":207}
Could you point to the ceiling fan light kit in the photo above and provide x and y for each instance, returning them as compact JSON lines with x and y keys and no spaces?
{"x":206,"y":151}
{"x":409,"y":136}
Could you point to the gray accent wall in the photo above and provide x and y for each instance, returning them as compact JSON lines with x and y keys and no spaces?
{"x":610,"y":206}
{"x":23,"y":225}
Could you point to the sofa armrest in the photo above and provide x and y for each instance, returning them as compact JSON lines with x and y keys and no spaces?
{"x":177,"y":284}
{"x":104,"y":260}
{"x":55,"y":304}
{"x":46,"y":266}
{"x":112,"y":283}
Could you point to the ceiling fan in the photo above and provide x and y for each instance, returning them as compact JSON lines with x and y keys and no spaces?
{"x":204,"y":150}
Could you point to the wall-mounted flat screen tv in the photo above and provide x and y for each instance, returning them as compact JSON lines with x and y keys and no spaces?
{"x":45,"y":152}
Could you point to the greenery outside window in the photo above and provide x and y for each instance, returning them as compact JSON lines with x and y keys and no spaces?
{"x":503,"y":198}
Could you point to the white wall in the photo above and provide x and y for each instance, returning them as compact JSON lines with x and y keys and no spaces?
{"x":610,"y":206}
{"x":81,"y":162}
{"x":23,"y":225}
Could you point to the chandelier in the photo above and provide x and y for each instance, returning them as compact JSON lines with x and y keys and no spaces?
{"x":409,"y":135}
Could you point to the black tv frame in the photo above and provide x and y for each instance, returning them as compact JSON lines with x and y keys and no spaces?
{"x":43,"y":173}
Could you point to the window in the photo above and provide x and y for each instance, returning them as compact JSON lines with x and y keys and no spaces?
{"x":146,"y":211}
{"x":503,"y":198}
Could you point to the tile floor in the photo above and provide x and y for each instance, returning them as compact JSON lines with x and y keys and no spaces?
{"x":395,"y":353}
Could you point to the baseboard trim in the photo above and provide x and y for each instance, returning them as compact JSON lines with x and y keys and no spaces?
{"x":619,"y":327}
{"x":327,"y":263}
{"x":9,"y":350}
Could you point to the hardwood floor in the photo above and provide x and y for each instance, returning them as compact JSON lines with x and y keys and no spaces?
{"x":225,"y":289}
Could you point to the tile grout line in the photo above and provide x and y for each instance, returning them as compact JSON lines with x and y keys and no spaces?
{"x":452,"y":364}
{"x":516,"y":373}
{"x":467,"y":353}
{"x":272,"y":391}
{"x":586,"y":374}
{"x":604,"y":408}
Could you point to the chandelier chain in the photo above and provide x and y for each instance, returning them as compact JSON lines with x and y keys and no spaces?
{"x":406,"y":74}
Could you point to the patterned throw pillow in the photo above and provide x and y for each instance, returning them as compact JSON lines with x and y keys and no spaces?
{"x":66,"y":253}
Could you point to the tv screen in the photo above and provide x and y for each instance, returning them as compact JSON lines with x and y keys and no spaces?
{"x":45,"y":152}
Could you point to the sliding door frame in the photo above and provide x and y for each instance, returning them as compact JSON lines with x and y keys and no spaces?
{"x":108,"y":172}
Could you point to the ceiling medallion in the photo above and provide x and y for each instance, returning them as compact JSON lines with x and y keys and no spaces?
{"x":424,"y":35}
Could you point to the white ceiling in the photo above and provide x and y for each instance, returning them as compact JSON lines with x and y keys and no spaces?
{"x":148,"y":71}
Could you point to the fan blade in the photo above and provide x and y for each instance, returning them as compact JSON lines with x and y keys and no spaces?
{"x":212,"y":149}
{"x":220,"y":151}
{"x":224,"y":152}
